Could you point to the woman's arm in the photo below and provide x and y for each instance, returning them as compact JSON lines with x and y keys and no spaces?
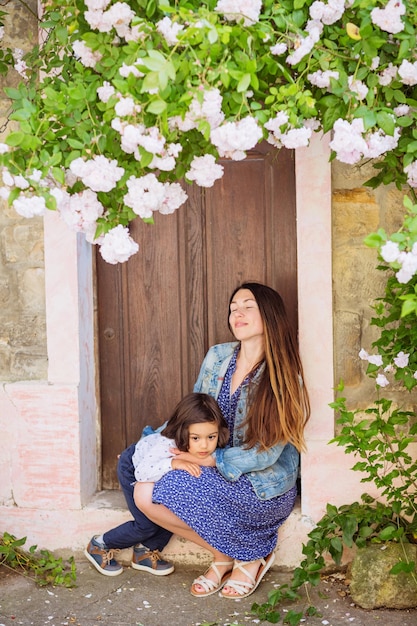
{"x":209,"y":461}
{"x":233,"y":462}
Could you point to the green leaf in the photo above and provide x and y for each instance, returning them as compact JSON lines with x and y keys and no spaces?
{"x":20,"y":115}
{"x":156,"y":107}
{"x":402,"y":567}
{"x":400,"y":96}
{"x":212,"y":35}
{"x":58,"y":174}
{"x":367,"y":115}
{"x":150,"y":82}
{"x":374,"y":240}
{"x":50,"y":203}
{"x":409,"y":306}
{"x":225,"y":78}
{"x":412,"y":146}
{"x":61,"y":33}
{"x":243,"y":83}
{"x":74,"y":143}
{"x":14,"y":139}
{"x":162,"y":79}
{"x":387,"y":533}
{"x":386,"y":122}
{"x":405,"y":121}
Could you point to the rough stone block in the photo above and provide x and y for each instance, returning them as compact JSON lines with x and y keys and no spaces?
{"x":372,"y":586}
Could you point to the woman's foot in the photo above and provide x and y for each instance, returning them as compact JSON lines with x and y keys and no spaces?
{"x":246,"y":577}
{"x":213,"y":579}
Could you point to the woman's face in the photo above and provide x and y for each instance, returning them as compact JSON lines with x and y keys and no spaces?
{"x":244,"y":317}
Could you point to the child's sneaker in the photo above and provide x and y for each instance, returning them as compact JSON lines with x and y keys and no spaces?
{"x":150,"y":561}
{"x":102,"y":559}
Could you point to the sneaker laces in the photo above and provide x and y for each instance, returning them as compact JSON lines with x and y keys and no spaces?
{"x":154,"y":556}
{"x":108,"y":556}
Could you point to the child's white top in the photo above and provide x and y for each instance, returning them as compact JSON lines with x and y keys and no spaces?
{"x":152,"y":457}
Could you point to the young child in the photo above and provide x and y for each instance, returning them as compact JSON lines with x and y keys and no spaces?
{"x":196,"y":426}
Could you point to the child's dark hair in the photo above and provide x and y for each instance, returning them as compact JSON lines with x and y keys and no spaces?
{"x":194,"y":409}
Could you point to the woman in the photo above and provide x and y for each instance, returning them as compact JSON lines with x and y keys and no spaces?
{"x":243,"y":495}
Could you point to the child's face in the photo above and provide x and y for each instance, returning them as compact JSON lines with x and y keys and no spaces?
{"x":202,"y":439}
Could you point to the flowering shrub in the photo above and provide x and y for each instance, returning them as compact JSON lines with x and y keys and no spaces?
{"x":124,"y":99}
{"x":396,"y":358}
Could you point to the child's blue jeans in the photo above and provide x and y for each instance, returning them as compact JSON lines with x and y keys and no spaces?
{"x":140,"y":529}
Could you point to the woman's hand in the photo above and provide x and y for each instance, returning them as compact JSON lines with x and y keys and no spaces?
{"x":188,"y":466}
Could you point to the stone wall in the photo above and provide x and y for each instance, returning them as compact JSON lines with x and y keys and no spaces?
{"x":358,"y":211}
{"x":23,"y":353}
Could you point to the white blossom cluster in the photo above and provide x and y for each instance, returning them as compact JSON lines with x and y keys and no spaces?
{"x":206,"y":105}
{"x":389,"y":17}
{"x":79,"y":211}
{"x":85,"y":54}
{"x":170,"y":30}
{"x":204,"y":170}
{"x":98,"y":173}
{"x":399,"y":362}
{"x":411,"y":171}
{"x":321,"y":78}
{"x":26,"y":204}
{"x":117,"y":246}
{"x":351,"y":143}
{"x":145,"y":194}
{"x":292,"y":137}
{"x":407,"y":73}
{"x":19,"y":64}
{"x":236,"y":9}
{"x":391,"y":253}
{"x":118,"y":17}
{"x":233,"y":139}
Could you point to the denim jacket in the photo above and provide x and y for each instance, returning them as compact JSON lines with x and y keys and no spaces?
{"x":271,"y":472}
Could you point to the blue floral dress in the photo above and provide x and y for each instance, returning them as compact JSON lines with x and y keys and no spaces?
{"x":228,"y":515}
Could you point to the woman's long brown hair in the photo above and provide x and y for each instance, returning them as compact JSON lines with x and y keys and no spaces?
{"x":279,"y":406}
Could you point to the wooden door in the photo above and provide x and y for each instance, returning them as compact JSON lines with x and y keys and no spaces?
{"x":159,"y":312}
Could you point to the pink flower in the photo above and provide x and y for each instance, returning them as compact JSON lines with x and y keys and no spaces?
{"x":204,"y":170}
{"x":322,"y":78}
{"x":249,"y":10}
{"x":87,"y":57}
{"x":117,"y":246}
{"x":30,"y":206}
{"x":408,"y":72}
{"x":348,"y":142}
{"x":382,"y":380}
{"x":174,"y":197}
{"x":390,"y":251}
{"x":401,"y":360}
{"x":389,"y":18}
{"x":232,"y":139}
{"x":98,"y":173}
{"x":169,"y":29}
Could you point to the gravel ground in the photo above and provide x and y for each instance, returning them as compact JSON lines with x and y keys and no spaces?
{"x":138,"y":599}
